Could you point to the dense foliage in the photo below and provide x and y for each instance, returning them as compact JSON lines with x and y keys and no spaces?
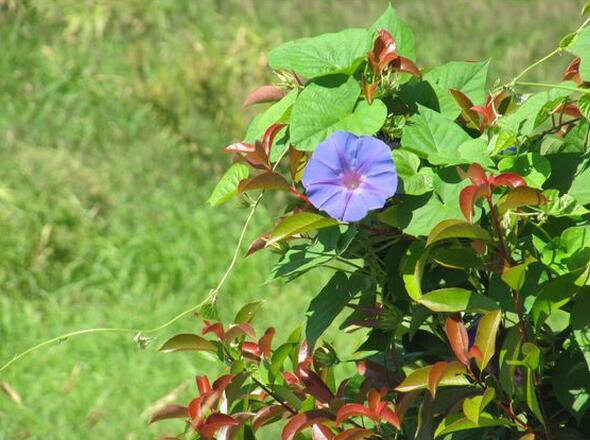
{"x":471,"y":282}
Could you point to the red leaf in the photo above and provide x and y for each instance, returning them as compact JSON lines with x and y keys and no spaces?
{"x":269,"y":136}
{"x":265,"y":342}
{"x":405,"y":65}
{"x":237,"y":330}
{"x":476,"y":174}
{"x":290,"y":378}
{"x":171,"y":411}
{"x":240,"y":147}
{"x":215,"y":327}
{"x":467,"y":198}
{"x":374,"y":403}
{"x":508,"y":179}
{"x":258,"y":244}
{"x":435,"y":375}
{"x":384,"y":51}
{"x":354,"y":434}
{"x":390,"y":417}
{"x":458,"y":338}
{"x":321,"y":432}
{"x":266,"y":414}
{"x":314,"y":385}
{"x":351,"y":410}
{"x":296,"y":161}
{"x":194,"y":408}
{"x":268,"y":180}
{"x":474,"y":352}
{"x":222,"y":383}
{"x":251,"y":348}
{"x":267,"y":93}
{"x":214,"y":422}
{"x":369,"y":90}
{"x":229,"y":432}
{"x":375,"y":372}
{"x":572,"y":72}
{"x":303,"y":420}
{"x":570,"y":109}
{"x":203,"y":384}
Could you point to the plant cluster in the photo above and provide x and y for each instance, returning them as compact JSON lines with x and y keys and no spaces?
{"x":453,"y":219}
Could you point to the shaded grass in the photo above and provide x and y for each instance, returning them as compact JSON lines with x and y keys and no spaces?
{"x":113,"y":113}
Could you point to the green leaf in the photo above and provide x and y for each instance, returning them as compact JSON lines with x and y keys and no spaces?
{"x":401,"y":32}
{"x":469,"y":78}
{"x":412,"y":268}
{"x":413,"y":182}
{"x":553,"y":295}
{"x":299,"y":223}
{"x":247,"y":312}
{"x":433,"y":137}
{"x":187,"y":342}
{"x":532,"y":167}
{"x":456,"y":299}
{"x":562,"y":205}
{"x":580,"y":47}
{"x":508,"y":354}
{"x":474,"y":406}
{"x":476,"y":151}
{"x":571,"y":383}
{"x":333,"y":297}
{"x":485,"y":338}
{"x":328,"y":105}
{"x":533,"y":112}
{"x":580,"y":320}
{"x":227,"y":187}
{"x":415,"y":215}
{"x":457,"y":422}
{"x":327,"y":245}
{"x":515,"y":276}
{"x":571,"y":250}
{"x":567,"y":40}
{"x":457,"y":229}
{"x":580,"y":190}
{"x":328,"y":53}
{"x":278,"y":112}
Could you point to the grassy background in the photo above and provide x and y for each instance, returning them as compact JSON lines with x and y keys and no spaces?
{"x":112,"y":118}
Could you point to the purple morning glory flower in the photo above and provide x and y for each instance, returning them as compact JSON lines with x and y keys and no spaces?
{"x":347,"y":176}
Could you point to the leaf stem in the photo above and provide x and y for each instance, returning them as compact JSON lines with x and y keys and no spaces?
{"x":550,"y":86}
{"x":535,"y":64}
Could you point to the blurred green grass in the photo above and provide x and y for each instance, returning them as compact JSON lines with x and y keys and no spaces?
{"x":112,"y":119}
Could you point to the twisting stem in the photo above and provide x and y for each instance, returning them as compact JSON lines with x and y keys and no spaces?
{"x":551,"y":86}
{"x":535,"y":64}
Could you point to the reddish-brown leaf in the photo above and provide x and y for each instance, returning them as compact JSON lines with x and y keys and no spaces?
{"x":321,"y":432}
{"x":304,"y":420}
{"x":269,"y":136}
{"x":467,"y":198}
{"x":461,"y":98}
{"x":508,"y":179}
{"x":240,"y":147}
{"x":251,"y":348}
{"x":258,"y":244}
{"x":435,"y":375}
{"x":265,"y":342}
{"x":458,"y":338}
{"x":222,"y":383}
{"x":267,"y":93}
{"x":390,"y":416}
{"x":375,"y":372}
{"x":268,"y":180}
{"x":572,"y":72}
{"x":570,"y":109}
{"x":405,"y":402}
{"x":203,"y":384}
{"x":266,"y":414}
{"x":229,"y":432}
{"x":171,"y":411}
{"x":405,"y":65}
{"x":354,"y":434}
{"x":384,"y":51}
{"x":476,"y":174}
{"x":215,"y":327}
{"x":351,"y":410}
{"x":369,"y":90}
{"x":213,"y":423}
{"x":314,"y":384}
{"x":237,"y":330}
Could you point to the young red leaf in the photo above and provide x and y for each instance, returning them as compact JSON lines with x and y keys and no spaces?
{"x":269,"y":136}
{"x":435,"y":375}
{"x":171,"y":411}
{"x":230,"y":432}
{"x":461,"y":99}
{"x":268,"y":180}
{"x":237,"y":330}
{"x":405,"y":65}
{"x":203,"y":384}
{"x":390,"y":417}
{"x":458,"y":338}
{"x":266,"y":414}
{"x":508,"y":179}
{"x":321,"y":432}
{"x":213,"y":327}
{"x":265,"y":342}
{"x":240,"y":147}
{"x":354,"y":434}
{"x":258,"y":244}
{"x":213,"y":423}
{"x":222,"y":383}
{"x":572,"y":72}
{"x":252,"y":349}
{"x":476,"y":174}
{"x":369,"y":89}
{"x":314,"y":385}
{"x":384,"y":51}
{"x":351,"y":410}
{"x":570,"y":109}
{"x":304,"y":420}
{"x":267,"y":93}
{"x":467,"y":198}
